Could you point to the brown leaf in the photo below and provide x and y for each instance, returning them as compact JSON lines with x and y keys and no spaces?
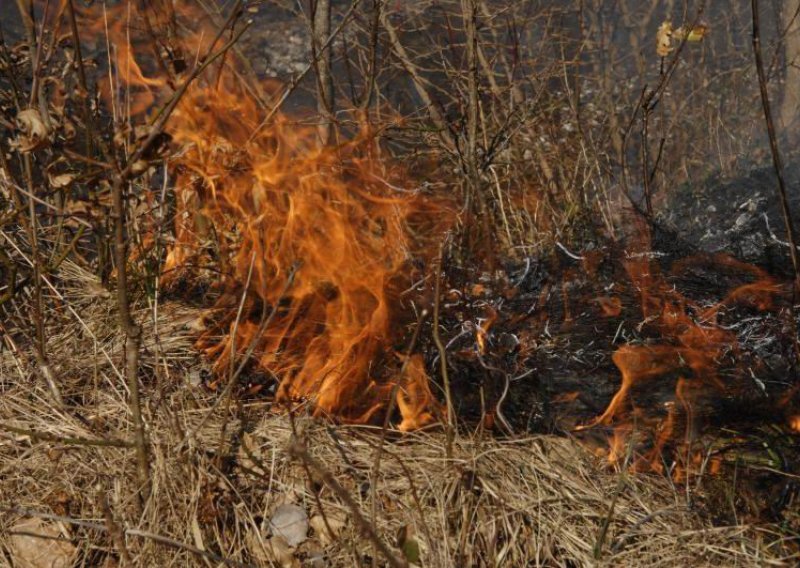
{"x":38,"y":544}
{"x":33,"y":130}
{"x":61,"y":181}
{"x":282,"y":553}
{"x":328,"y":533}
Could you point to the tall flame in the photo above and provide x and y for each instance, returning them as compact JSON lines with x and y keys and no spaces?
{"x":287,"y":204}
{"x":311,"y":243}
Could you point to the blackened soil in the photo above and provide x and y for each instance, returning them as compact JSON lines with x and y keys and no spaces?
{"x":530,"y":346}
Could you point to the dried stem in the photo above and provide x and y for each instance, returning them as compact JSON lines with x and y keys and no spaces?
{"x":116,"y":532}
{"x":35,"y":435}
{"x":437,"y":117}
{"x":133,"y":334}
{"x":321,"y":56}
{"x":773,"y":143}
{"x":437,"y":339}
{"x":376,"y":464}
{"x":289,"y":89}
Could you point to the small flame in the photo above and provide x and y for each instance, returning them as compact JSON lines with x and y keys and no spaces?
{"x":482,"y":330}
{"x":688,"y":352}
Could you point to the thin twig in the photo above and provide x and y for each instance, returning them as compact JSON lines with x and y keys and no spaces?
{"x":233,"y":380}
{"x":35,"y":435}
{"x":777,"y":163}
{"x":773,"y":143}
{"x":376,"y":465}
{"x":298,"y":78}
{"x":437,"y":339}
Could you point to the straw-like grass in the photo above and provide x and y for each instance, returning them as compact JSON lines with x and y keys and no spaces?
{"x":535,"y":501}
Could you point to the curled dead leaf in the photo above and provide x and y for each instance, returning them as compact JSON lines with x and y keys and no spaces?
{"x":664,"y":39}
{"x":33,"y":130}
{"x":60,"y":181}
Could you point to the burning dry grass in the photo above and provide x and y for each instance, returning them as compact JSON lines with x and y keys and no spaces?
{"x":219,"y":474}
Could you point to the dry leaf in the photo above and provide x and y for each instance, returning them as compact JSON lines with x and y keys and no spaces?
{"x":328,"y":533}
{"x":664,"y":39}
{"x":282,"y":553}
{"x":257,"y":547}
{"x":60,"y":181}
{"x":696,"y":33}
{"x":139,"y":167}
{"x":197,"y":534}
{"x":249,"y":456}
{"x":37,"y":544}
{"x":33,"y":131}
{"x":291,"y":523}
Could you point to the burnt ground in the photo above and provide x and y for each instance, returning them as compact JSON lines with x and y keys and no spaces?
{"x":741,"y":217}
{"x":554,"y":323}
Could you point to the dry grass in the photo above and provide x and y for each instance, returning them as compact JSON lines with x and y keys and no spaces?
{"x":536,"y":501}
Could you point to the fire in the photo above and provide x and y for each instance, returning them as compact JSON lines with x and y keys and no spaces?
{"x":310,"y":244}
{"x":307,"y":247}
{"x":688,"y":351}
{"x":482,"y":330}
{"x":321,"y":238}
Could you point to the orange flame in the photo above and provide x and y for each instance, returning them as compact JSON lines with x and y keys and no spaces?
{"x":482,"y":330}
{"x":312,"y":242}
{"x":688,"y":352}
{"x":284,"y":201}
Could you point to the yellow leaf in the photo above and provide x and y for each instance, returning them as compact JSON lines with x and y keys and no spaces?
{"x":695,"y":34}
{"x":664,"y":39}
